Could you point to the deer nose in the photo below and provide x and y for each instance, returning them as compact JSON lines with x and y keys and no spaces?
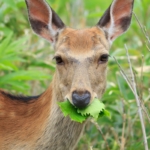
{"x":81,"y":99}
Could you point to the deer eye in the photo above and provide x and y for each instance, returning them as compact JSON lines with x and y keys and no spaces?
{"x":103,"y":58}
{"x":59,"y":60}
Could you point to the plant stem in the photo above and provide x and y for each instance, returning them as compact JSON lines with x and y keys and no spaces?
{"x":99,"y":129}
{"x":132,"y":85}
{"x":143,"y":30}
{"x":123,"y":139}
{"x":137,"y":101}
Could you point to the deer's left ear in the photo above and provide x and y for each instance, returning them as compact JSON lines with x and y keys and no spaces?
{"x":117,"y":18}
{"x":44,"y":21}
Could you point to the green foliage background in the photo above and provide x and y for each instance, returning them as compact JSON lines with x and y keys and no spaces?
{"x":26,"y":66}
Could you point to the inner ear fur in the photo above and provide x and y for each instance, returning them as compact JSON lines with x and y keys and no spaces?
{"x":43,"y":19}
{"x":117,"y":18}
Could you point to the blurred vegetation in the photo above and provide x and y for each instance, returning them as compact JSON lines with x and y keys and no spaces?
{"x":26,"y":67}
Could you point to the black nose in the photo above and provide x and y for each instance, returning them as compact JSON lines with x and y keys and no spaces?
{"x":81,"y":99}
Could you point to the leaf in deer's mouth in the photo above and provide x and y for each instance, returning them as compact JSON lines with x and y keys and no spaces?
{"x":95,"y":109}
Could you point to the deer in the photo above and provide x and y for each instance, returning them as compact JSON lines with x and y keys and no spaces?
{"x":81,"y":55}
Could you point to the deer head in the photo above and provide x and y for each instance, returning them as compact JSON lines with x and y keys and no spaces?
{"x":81,"y":55}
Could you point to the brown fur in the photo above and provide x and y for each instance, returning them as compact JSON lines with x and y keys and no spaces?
{"x":27,"y":125}
{"x":38,"y":124}
{"x":81,"y":50}
{"x":22,"y":122}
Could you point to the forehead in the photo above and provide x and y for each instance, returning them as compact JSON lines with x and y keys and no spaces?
{"x":83,"y":41}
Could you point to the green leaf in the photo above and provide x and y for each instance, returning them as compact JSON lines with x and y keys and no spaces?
{"x":44,"y":65}
{"x":5,"y":43}
{"x":71,"y":111}
{"x":20,"y":86}
{"x":11,"y":3}
{"x":24,"y":75}
{"x":93,"y":109}
{"x":105,"y":113}
{"x":8,"y":66}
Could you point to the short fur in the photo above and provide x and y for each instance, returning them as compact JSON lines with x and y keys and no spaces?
{"x":36,"y":123}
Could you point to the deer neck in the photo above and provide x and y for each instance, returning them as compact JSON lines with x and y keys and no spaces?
{"x":61,"y":132}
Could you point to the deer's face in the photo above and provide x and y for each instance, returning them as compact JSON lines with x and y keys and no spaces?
{"x":81,"y":58}
{"x":81,"y":55}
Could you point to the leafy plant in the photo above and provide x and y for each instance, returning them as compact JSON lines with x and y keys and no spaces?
{"x":95,"y":109}
{"x":12,"y":76}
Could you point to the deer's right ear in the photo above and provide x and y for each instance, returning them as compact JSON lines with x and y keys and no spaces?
{"x":44,"y":21}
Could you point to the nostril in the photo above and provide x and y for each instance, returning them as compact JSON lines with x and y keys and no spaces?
{"x":81,"y":99}
{"x":81,"y":96}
